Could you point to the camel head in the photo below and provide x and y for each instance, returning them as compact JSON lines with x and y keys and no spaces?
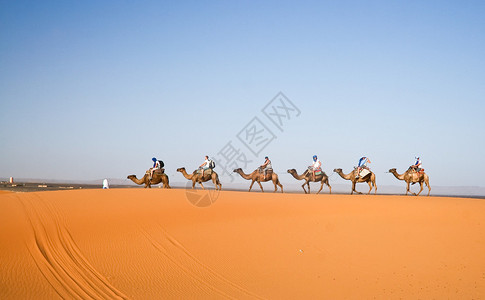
{"x":181,"y":169}
{"x":291,"y":171}
{"x":337,"y":170}
{"x":130,"y":176}
{"x":237,"y":170}
{"x":392,"y":170}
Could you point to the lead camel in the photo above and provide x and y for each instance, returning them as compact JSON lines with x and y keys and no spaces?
{"x":411,"y":176}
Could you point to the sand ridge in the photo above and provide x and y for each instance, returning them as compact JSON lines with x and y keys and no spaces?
{"x":147,"y":244}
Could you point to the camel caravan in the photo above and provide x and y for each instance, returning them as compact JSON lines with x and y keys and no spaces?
{"x":265,"y":173}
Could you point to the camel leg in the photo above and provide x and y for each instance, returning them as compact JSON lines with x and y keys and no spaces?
{"x":370,"y":186}
{"x":276,"y":183}
{"x":303,"y":186}
{"x":407,"y":189}
{"x":279,"y":184}
{"x":193,"y":184}
{"x":421,"y":186}
{"x":328,"y":184}
{"x":353,"y":188}
{"x":414,"y":194}
{"x":429,"y":188}
{"x":321,"y":187}
{"x":200,"y":182}
{"x":251,"y":186}
{"x":375,"y":187}
{"x":259,"y":182}
{"x":217,"y":183}
{"x":275,"y":186}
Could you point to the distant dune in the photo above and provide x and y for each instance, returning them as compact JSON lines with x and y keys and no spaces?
{"x":177,"y":244}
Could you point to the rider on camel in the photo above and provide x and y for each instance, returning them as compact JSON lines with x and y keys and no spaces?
{"x":316,"y":166}
{"x":205,"y":165}
{"x":266,"y":166}
{"x":156,"y":166}
{"x":362,"y":165}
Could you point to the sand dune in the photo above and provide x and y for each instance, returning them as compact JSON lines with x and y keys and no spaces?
{"x":155,"y":244}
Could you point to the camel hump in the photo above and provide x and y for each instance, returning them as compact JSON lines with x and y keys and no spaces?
{"x":364,"y":172}
{"x":159,"y":171}
{"x":262,"y":170}
{"x":156,"y":171}
{"x":268,"y":176}
{"x":414,"y":171}
{"x":206,"y":171}
{"x":309,"y":171}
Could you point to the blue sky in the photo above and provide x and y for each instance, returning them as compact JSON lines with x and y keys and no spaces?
{"x":94,"y":89}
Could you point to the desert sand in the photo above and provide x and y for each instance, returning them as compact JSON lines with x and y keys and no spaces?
{"x":156,"y":244}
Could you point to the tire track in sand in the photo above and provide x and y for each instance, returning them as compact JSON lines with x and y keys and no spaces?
{"x":58,"y":257}
{"x":185,"y":261}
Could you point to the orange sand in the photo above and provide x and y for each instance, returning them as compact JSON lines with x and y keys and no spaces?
{"x":154,"y":244}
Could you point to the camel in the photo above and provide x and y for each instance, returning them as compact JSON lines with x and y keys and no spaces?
{"x":308,"y":177}
{"x":156,"y":179}
{"x":369,"y":178}
{"x":410,"y":176}
{"x":197,"y":178}
{"x":258,"y":177}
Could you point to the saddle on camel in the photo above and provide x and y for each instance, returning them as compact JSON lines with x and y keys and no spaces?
{"x":318,"y":171}
{"x":157,"y":169}
{"x":414,"y":170}
{"x":364,"y":171}
{"x":206,"y":171}
{"x":265,"y":174}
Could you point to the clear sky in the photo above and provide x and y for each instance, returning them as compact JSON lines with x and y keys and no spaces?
{"x":95,"y":89}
